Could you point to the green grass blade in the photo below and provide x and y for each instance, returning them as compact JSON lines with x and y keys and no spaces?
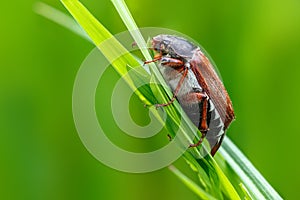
{"x":106,"y":43}
{"x":60,"y":18}
{"x":246,"y":192}
{"x":255,"y":183}
{"x":138,"y":38}
{"x":191,"y":185}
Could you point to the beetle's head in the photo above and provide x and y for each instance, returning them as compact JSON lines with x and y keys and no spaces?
{"x":161,"y":44}
{"x":174,"y":46}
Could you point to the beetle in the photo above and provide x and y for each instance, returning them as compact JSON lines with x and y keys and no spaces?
{"x":196,"y":86}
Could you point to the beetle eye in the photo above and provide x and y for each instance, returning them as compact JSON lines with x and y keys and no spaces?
{"x":163,"y":48}
{"x":166,"y":42}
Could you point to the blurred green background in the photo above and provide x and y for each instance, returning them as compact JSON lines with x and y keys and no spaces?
{"x":255,"y":45}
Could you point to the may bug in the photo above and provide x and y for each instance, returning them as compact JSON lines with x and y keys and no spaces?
{"x":196,"y":85}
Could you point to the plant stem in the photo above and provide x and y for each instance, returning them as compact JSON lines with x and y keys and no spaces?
{"x":252,"y":179}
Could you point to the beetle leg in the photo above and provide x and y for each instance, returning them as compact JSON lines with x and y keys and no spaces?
{"x":175,"y":91}
{"x":172,"y":62}
{"x":197,"y":97}
{"x":166,"y":61}
{"x":200,"y":141}
{"x":203,"y":127}
{"x":134,"y":44}
{"x":156,"y":58}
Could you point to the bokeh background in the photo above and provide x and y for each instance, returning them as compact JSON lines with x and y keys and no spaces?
{"x":255,"y":44}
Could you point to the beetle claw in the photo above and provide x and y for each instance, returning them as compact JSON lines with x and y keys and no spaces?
{"x":158,"y":106}
{"x":133,"y":44}
{"x":146,"y":105}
